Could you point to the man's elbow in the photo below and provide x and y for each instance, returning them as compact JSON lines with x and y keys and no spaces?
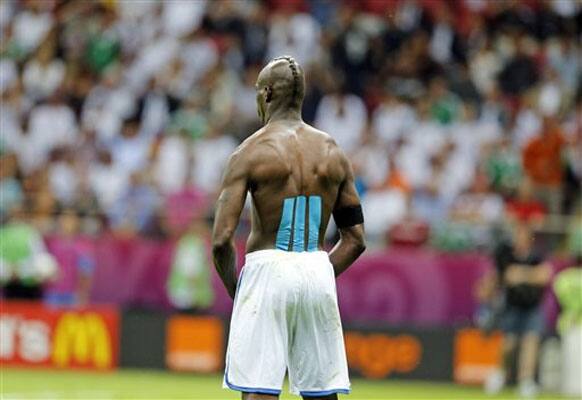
{"x":359,"y":245}
{"x":220,"y":243}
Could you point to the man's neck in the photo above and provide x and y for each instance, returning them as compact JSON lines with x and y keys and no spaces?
{"x":284,"y":115}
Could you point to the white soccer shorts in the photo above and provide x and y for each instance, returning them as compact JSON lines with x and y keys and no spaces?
{"x":286,"y":317}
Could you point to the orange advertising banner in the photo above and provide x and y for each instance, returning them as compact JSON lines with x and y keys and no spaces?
{"x":37,"y":335}
{"x":195,"y":344}
{"x":476,"y":355}
{"x":378,"y":355}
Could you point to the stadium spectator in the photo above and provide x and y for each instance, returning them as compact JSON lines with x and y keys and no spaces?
{"x":31,"y":25}
{"x":43,"y":203}
{"x":392,"y":118}
{"x":25,"y":265}
{"x":54,"y":116}
{"x":135,"y":210}
{"x":567,"y":287}
{"x":44,"y":73}
{"x":63,"y":176}
{"x":524,"y":207}
{"x":75,"y":262}
{"x":343,"y":115}
{"x":503,"y":166}
{"x":10,"y":187}
{"x":410,"y":230}
{"x":542,"y":162}
{"x":520,"y":71}
{"x":296,"y":34}
{"x":130,"y":150}
{"x":210,"y":155}
{"x":189,"y":287}
{"x":479,"y":204}
{"x":172,"y":162}
{"x":370,"y":163}
{"x":523,"y":276}
{"x":106,"y":179}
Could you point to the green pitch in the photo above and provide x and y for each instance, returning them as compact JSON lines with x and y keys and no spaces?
{"x":137,"y":384}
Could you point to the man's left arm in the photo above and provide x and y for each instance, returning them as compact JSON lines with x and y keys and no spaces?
{"x":229,"y":207}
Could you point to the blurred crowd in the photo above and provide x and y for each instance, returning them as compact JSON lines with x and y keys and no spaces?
{"x":457,"y":115}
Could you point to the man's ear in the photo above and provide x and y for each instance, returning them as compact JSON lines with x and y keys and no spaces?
{"x":269,"y":95}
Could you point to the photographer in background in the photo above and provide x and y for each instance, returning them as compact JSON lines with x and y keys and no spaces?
{"x":522,"y":276}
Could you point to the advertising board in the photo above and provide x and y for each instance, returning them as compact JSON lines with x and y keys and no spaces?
{"x":35,"y":335}
{"x":194,"y":343}
{"x":412,"y":353}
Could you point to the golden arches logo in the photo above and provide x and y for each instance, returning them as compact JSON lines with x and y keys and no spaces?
{"x":82,"y":339}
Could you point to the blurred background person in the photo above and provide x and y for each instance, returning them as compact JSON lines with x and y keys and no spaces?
{"x":189,"y":285}
{"x":25,"y":264}
{"x":523,"y":275}
{"x":568,"y":287}
{"x":75,"y":261}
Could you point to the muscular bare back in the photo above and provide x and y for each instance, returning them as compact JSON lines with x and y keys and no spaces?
{"x":296,"y":175}
{"x":297,"y":178}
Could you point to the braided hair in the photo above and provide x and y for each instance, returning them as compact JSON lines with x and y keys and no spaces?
{"x":294,"y":73}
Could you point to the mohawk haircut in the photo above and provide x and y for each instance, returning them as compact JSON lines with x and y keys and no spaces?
{"x":288,"y":83}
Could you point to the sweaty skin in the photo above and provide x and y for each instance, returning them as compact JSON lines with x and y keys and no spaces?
{"x":285,"y":158}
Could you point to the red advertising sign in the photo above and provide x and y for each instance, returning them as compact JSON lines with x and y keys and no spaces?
{"x":36,"y":335}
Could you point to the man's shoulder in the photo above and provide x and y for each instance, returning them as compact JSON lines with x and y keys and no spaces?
{"x":254,"y":139}
{"x":318,"y":132}
{"x":269,"y":139}
{"x":268,"y":133}
{"x":251,"y":148}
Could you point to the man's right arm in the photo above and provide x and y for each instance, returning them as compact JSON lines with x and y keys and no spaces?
{"x":229,"y":207}
{"x":348,"y":218}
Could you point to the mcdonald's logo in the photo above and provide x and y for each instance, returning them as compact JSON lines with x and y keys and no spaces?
{"x":82,"y":340}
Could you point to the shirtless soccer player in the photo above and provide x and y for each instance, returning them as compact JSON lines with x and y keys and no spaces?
{"x":285,"y":312}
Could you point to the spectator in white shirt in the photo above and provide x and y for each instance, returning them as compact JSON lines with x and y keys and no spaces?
{"x":44,"y":74}
{"x":344,"y":116}
{"x":130,"y":150}
{"x":393,"y":118}
{"x":370,"y":161}
{"x":182,"y":17}
{"x":107,"y":181}
{"x":63,"y":176}
{"x":297,"y":35}
{"x":152,"y":58}
{"x":484,"y":67}
{"x":210,"y":155}
{"x":31,"y":25}
{"x":199,"y":55}
{"x":107,"y":105}
{"x":52,"y":124}
{"x":171,"y":163}
{"x":8,"y":75}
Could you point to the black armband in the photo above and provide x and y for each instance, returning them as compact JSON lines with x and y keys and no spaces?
{"x":348,"y":216}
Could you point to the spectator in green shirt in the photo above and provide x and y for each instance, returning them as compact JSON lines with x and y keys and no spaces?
{"x":24,"y":262}
{"x":568,"y":289}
